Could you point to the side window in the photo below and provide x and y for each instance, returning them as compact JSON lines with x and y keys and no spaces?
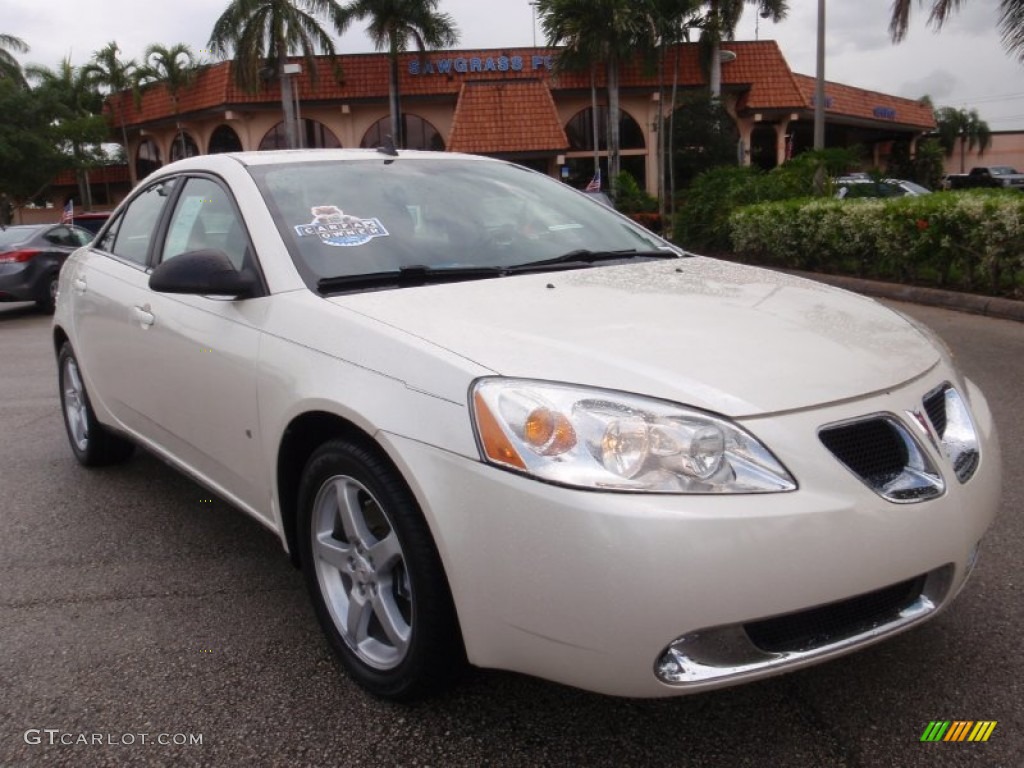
{"x":61,"y":236}
{"x":130,"y":235}
{"x":80,"y":237}
{"x":205,"y":219}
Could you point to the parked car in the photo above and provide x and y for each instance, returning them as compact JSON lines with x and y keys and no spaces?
{"x":862,"y":185}
{"x":30,"y":259}
{"x":91,"y":220}
{"x":496,"y":423}
{"x":996,"y":176}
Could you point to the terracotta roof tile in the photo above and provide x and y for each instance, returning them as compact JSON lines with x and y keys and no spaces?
{"x":759,"y":71}
{"x":506,"y":116}
{"x":870,"y":105}
{"x":106,"y":174}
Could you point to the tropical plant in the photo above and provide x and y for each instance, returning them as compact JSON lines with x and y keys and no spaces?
{"x":965,"y":126}
{"x":393,"y":24}
{"x":264,"y":33}
{"x":719,"y":23}
{"x":29,"y":155}
{"x":117,"y":76}
{"x":9,"y":66}
{"x":593,"y":32}
{"x":175,"y":67}
{"x":1011,"y":20}
{"x":76,"y":125}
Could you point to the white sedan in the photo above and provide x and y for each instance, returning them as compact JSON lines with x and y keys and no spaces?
{"x":496,"y":423}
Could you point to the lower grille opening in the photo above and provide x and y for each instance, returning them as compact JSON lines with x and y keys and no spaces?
{"x":830,"y":623}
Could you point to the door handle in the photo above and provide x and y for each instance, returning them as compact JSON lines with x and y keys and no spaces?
{"x":80,"y":285}
{"x":144,"y":316}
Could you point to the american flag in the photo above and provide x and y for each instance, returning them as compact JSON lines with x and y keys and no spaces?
{"x":595,"y":183}
{"x":68,"y":216}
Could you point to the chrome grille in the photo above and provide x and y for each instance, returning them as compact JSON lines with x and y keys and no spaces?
{"x":951,"y":419}
{"x":886,"y":457}
{"x":935,"y":407}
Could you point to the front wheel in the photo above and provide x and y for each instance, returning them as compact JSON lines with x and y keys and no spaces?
{"x":92,"y":444}
{"x":374,"y":575}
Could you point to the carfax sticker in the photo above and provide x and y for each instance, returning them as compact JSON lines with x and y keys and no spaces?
{"x":335,"y":227}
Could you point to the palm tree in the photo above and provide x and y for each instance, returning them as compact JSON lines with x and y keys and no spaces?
{"x":1011,"y":20}
{"x":76,"y":106}
{"x":719,"y":23}
{"x":9,"y":66}
{"x":393,"y":23}
{"x":175,"y":67}
{"x":593,"y":32}
{"x":670,"y":21}
{"x":265,"y":32}
{"x":965,"y":126}
{"x":117,"y":76}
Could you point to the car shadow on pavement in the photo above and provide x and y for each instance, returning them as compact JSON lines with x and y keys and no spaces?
{"x":18,"y":309}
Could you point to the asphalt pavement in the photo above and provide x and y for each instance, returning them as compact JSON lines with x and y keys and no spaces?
{"x":149,"y":623}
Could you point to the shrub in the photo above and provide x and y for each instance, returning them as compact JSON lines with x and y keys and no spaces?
{"x":963,"y":240}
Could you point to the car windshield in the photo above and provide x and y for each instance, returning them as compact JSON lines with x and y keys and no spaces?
{"x":14,"y":235}
{"x":383,"y":215}
{"x":915,"y":188}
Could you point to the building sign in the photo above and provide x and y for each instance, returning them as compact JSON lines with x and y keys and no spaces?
{"x":884,"y":113}
{"x":467,"y":65}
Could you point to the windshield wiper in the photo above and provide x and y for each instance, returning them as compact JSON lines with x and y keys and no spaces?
{"x":412,"y":275}
{"x":587,"y":256}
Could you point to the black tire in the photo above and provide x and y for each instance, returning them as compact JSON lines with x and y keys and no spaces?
{"x":399,"y":592}
{"x":93,"y":444}
{"x":47,"y":300}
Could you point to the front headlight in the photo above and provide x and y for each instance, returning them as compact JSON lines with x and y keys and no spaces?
{"x":593,"y":438}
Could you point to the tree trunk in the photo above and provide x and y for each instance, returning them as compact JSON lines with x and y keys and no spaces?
{"x":593,"y":119}
{"x":124,"y":140}
{"x":614,"y":162}
{"x":672,"y":141}
{"x":393,"y":98}
{"x":715,"y":70}
{"x":661,"y":131}
{"x":287,"y":102}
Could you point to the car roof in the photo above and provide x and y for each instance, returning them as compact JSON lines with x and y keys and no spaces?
{"x":281,"y":156}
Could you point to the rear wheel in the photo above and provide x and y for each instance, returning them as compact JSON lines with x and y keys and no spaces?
{"x":92,"y":444}
{"x":374,"y":574}
{"x":47,"y":300}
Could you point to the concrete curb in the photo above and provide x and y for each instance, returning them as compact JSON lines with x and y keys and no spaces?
{"x":990,"y":306}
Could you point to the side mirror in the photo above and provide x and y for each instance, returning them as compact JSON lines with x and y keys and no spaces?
{"x":205,"y":273}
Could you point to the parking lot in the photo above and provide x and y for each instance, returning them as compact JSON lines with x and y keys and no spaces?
{"x":159,"y":626}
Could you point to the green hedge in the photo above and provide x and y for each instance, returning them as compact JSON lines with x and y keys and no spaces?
{"x":972,"y":240}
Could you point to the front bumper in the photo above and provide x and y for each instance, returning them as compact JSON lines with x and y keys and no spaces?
{"x":590,"y":588}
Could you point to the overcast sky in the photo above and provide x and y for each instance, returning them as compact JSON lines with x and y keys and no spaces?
{"x":963,"y":66}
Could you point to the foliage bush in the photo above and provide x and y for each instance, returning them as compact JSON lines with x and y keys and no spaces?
{"x":970,"y":240}
{"x":703,"y":220}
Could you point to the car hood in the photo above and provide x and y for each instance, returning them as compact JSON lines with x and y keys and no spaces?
{"x":727,"y":338}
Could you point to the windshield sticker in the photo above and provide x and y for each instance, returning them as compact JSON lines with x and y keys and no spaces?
{"x":334,"y":227}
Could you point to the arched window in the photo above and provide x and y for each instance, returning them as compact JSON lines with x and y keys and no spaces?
{"x":224,"y":139}
{"x":580,"y":130}
{"x":183,"y":146}
{"x":419,"y":133}
{"x":147,"y":159}
{"x":312,"y":133}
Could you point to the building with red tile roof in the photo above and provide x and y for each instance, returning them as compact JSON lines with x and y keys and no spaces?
{"x":512,"y":103}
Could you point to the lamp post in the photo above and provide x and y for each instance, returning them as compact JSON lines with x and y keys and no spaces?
{"x":819,"y":89}
{"x":533,"y":13}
